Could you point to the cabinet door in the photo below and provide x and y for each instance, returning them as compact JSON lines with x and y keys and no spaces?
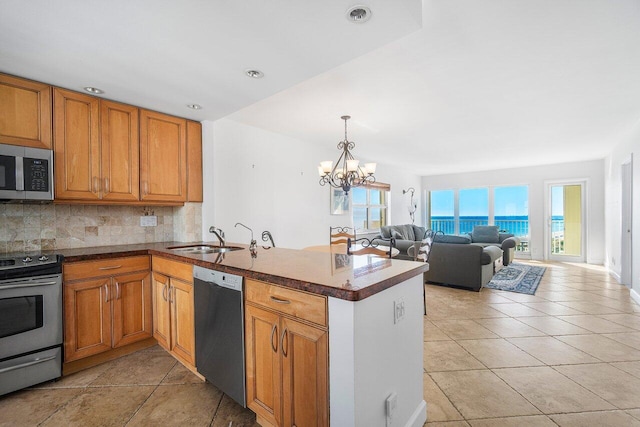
{"x":87,"y":318}
{"x":304,"y":374}
{"x":163,"y":157}
{"x":25,"y":112}
{"x":263,"y":363}
{"x":161,"y":310}
{"x":76,"y":146}
{"x":182,"y":321}
{"x":194,"y":162}
{"x":120,"y":142}
{"x":132,"y":317}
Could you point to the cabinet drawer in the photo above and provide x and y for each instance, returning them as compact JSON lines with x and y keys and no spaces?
{"x":288,"y":301}
{"x":104,"y":267}
{"x":179,"y":270}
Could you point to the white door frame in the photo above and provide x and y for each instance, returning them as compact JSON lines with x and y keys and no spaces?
{"x":626,"y":237}
{"x":584,"y":183}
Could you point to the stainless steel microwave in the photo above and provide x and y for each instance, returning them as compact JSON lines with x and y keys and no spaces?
{"x":25,"y":173}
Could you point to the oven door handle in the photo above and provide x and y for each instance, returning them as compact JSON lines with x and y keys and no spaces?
{"x":24,"y":365}
{"x":13,"y":285}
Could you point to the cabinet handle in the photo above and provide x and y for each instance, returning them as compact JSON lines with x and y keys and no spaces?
{"x":171,"y":300}
{"x":164,"y":292}
{"x":113,"y":267}
{"x":106,"y":186}
{"x":284,"y":349}
{"x":274,"y":331}
{"x":117,"y":290}
{"x":145,"y":188}
{"x":106,"y":293}
{"x":280,"y":301}
{"x":96,"y":183}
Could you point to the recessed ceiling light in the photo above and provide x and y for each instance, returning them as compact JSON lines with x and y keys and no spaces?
{"x":358,"y":14}
{"x":194,"y":106}
{"x":93,"y":90}
{"x":254,"y":74}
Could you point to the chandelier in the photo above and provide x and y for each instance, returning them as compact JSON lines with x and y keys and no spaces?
{"x":347,"y":172}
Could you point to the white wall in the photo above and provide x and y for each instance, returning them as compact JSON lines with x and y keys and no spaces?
{"x":629,"y":145}
{"x":269,"y":181}
{"x":371,"y":357}
{"x":535,"y":177}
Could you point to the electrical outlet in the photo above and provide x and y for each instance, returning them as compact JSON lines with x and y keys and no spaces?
{"x":148,"y":221}
{"x":391,"y":405}
{"x":398,"y":310}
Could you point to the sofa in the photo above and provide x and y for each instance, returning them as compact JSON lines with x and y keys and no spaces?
{"x":405,"y":236}
{"x":489,"y":235}
{"x":461,"y":265}
{"x":466,"y":260}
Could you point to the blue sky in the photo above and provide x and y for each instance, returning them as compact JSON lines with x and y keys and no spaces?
{"x":509,"y":201}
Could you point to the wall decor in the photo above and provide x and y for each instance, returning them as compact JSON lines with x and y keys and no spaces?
{"x":340,"y":202}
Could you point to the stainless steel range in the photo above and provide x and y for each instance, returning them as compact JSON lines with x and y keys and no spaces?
{"x":30,"y":320}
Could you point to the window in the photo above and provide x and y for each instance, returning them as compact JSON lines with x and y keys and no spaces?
{"x":474,"y":208}
{"x":458,"y":211}
{"x":370,"y":206}
{"x":442,"y":212}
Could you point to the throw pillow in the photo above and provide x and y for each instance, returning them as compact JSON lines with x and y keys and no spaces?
{"x":485,"y":234}
{"x":385,"y":231}
{"x":407,"y":231}
{"x":397,"y":235}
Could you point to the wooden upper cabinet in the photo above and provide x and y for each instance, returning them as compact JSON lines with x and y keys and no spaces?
{"x":120,"y":140}
{"x":76,"y":145}
{"x":163,"y":157}
{"x":25,"y":112}
{"x":194,"y":162}
{"x":96,"y":144}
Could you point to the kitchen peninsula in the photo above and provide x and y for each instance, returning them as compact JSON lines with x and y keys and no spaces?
{"x":356,"y":319}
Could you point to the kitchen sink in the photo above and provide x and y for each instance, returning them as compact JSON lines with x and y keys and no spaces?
{"x":205,"y":249}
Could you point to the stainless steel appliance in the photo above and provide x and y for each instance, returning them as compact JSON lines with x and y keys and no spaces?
{"x":219,"y":317}
{"x":30,"y":320}
{"x":25,"y":173}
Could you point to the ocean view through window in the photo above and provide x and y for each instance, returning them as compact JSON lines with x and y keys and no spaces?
{"x":458,"y":211}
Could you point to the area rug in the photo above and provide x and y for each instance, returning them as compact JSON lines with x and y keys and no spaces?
{"x":517,"y":278}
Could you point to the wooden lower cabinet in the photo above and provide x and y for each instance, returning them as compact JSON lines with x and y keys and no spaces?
{"x":263,"y":364}
{"x":87,"y":326}
{"x":173,"y":314}
{"x":286,"y":365}
{"x":104,"y":313}
{"x":305,"y":391}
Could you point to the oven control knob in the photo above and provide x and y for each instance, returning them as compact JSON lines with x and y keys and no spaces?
{"x":43,"y":258}
{"x":27,"y":259}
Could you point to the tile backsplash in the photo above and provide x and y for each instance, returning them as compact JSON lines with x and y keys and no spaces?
{"x":35,"y":227}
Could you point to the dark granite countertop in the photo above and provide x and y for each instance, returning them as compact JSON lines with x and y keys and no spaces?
{"x":347,"y":277}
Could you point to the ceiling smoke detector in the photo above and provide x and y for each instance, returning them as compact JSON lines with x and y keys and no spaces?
{"x":358,"y":14}
{"x":93,"y":90}
{"x":194,"y":106}
{"x":254,"y":74}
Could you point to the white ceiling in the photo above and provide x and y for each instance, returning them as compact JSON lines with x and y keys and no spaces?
{"x":434,"y":86}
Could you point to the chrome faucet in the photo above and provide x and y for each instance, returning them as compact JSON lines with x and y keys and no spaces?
{"x":252,"y":245}
{"x":218,"y":233}
{"x":266,"y":235}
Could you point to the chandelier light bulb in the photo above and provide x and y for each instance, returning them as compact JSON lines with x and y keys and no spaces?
{"x":352,"y":165}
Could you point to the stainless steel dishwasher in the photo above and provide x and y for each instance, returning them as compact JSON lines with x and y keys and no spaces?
{"x":219,"y":317}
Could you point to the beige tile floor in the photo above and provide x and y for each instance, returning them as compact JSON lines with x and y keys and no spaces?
{"x":567,"y":356}
{"x":147,"y":388}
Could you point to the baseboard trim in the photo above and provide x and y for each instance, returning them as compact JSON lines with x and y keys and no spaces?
{"x":419,"y":416}
{"x":635,"y":296}
{"x":615,"y":276}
